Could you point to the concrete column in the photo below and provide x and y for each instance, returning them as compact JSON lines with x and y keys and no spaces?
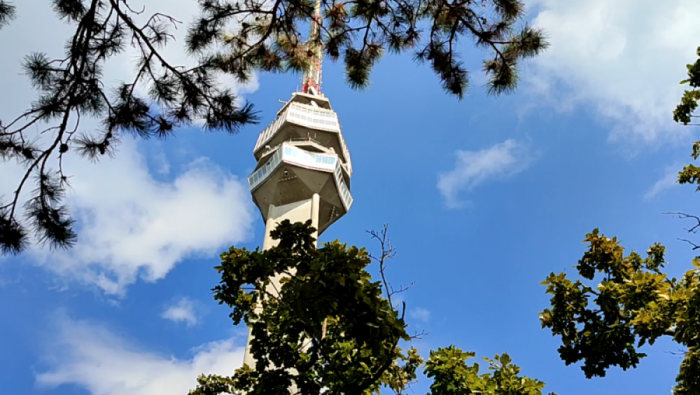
{"x":295,"y":212}
{"x":268,"y":243}
{"x":315,"y":204}
{"x":270,"y":225}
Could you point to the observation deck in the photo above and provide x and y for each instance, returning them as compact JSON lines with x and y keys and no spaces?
{"x":302,"y":154}
{"x":305,"y":117}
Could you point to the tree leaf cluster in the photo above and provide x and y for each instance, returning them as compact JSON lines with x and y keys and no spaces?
{"x":233,"y":37}
{"x":452,"y":375}
{"x":633,"y":303}
{"x":331,"y":329}
{"x":684,"y":114}
{"x":689,"y":101}
{"x":327,"y":327}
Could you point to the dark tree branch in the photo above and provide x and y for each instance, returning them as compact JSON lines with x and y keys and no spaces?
{"x":70,"y":89}
{"x":231,"y":37}
{"x":682,"y":215}
{"x":387,"y":253}
{"x":695,"y":246}
{"x":7,"y":13}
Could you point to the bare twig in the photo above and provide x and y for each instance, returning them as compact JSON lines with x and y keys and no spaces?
{"x":680,"y":351}
{"x":682,"y":215}
{"x":387,"y":252}
{"x":695,"y":246}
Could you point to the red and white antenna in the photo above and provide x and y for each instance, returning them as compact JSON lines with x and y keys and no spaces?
{"x":311,"y":82}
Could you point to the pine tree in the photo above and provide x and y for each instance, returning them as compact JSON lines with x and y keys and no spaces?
{"x":232,"y":37}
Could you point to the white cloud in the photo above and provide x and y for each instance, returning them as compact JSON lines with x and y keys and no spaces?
{"x":131,"y":225}
{"x":474,"y":167}
{"x":183,"y":310}
{"x":623,"y":58}
{"x":162,"y":162}
{"x":420,"y":314}
{"x":92,"y":357}
{"x":668,"y":181}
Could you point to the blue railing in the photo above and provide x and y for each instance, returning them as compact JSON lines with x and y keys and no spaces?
{"x":289,"y":153}
{"x":310,"y":159}
{"x":261,"y":174}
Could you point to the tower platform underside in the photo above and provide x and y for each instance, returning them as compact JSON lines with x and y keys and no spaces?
{"x":298,"y":158}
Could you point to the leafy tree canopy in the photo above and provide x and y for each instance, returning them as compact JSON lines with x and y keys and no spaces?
{"x":633,"y":303}
{"x":232,"y":37}
{"x":332,"y":329}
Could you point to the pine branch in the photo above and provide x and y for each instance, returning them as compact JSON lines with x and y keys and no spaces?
{"x":234,"y":37}
{"x":72,"y":86}
{"x":8,"y":12}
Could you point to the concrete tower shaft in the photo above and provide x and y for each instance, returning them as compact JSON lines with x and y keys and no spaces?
{"x":304,"y":168}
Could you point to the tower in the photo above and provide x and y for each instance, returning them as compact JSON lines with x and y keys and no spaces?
{"x":304,"y":168}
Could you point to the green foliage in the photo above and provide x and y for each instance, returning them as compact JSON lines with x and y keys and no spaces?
{"x":329,"y":329}
{"x":691,"y":173}
{"x":689,"y":101}
{"x":634,"y":303}
{"x":452,"y":376}
{"x":684,"y":114}
{"x":228,"y":37}
{"x":328,"y":302}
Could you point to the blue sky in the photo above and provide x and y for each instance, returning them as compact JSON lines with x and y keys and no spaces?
{"x":484,"y":198}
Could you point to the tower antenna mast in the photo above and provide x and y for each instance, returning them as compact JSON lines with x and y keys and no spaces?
{"x":311,"y":81}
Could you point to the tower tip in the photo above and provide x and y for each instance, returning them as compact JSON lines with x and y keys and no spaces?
{"x":311,"y":81}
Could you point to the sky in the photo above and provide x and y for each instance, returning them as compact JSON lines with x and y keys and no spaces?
{"x":483,"y":197}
